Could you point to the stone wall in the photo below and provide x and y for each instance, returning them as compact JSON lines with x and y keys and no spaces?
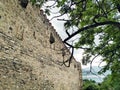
{"x":27,"y":60}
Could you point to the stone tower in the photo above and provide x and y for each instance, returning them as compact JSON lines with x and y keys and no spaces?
{"x":27,"y":59}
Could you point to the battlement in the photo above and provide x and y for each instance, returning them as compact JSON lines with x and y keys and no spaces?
{"x":49,"y":26}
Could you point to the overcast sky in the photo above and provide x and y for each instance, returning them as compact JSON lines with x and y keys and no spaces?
{"x":59,"y":26}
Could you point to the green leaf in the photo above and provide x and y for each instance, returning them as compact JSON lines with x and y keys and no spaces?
{"x":47,"y":11}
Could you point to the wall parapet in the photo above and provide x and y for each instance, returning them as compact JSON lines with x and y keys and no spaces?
{"x":49,"y":25}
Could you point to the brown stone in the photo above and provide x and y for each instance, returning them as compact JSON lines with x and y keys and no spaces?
{"x":26,"y":60}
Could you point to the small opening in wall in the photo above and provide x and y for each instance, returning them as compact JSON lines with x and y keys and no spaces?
{"x":10,"y":28}
{"x":75,"y":66}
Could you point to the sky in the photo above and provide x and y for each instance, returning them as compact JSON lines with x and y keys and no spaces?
{"x":78,"y":53}
{"x":59,"y":27}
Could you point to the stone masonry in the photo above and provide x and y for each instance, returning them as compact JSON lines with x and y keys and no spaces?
{"x":27,"y":60}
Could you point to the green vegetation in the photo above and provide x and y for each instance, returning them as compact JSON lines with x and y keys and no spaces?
{"x":107,"y":84}
{"x":111,"y":82}
{"x":95,"y":20}
{"x":90,"y":85}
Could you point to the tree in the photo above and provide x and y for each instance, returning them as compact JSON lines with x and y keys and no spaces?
{"x":90,"y":85}
{"x":92,"y":20}
{"x":107,"y":83}
{"x":110,"y":83}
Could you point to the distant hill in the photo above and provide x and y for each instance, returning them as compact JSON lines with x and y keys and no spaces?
{"x":86,"y":74}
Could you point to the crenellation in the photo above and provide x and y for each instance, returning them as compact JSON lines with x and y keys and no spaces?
{"x":49,"y":25}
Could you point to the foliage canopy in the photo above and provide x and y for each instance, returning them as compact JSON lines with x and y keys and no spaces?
{"x":109,"y":83}
{"x":93,"y":19}
{"x":90,"y":85}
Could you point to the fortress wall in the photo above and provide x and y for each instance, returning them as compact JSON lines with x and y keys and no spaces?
{"x":27,"y":60}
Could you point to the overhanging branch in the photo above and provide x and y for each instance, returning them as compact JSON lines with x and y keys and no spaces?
{"x":71,"y":56}
{"x":117,"y":24}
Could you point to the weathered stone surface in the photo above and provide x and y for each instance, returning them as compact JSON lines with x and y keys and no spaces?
{"x":27,"y":60}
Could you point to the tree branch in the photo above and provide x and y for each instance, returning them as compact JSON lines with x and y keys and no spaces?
{"x":70,"y":58}
{"x":93,"y":26}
